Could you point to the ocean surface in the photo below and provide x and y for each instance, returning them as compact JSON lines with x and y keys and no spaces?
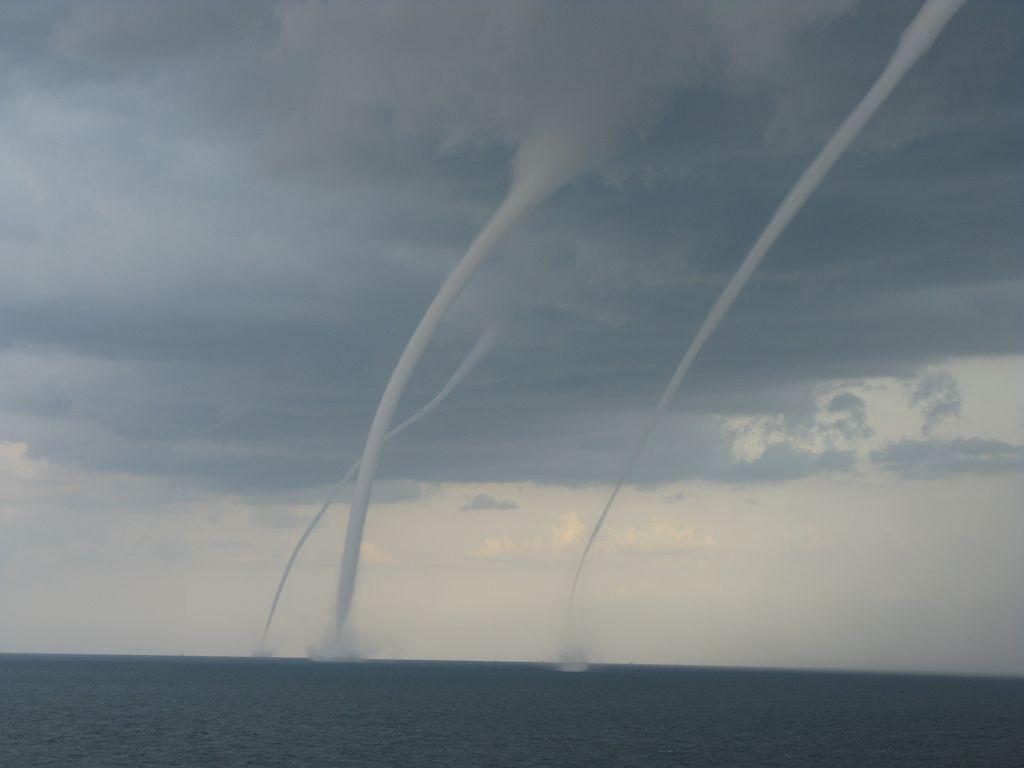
{"x":159,"y":711}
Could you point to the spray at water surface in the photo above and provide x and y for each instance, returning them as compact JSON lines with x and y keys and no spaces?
{"x":476,"y":354}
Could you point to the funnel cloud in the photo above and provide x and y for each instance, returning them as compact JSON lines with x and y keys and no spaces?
{"x":914,"y":42}
{"x":543,"y":164}
{"x":476,"y":354}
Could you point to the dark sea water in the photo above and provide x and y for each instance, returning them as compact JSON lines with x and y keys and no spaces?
{"x":147,"y":711}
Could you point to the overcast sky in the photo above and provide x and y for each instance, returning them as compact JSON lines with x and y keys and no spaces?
{"x":220,"y":222}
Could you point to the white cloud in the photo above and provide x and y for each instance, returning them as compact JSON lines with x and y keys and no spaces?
{"x":566,"y":532}
{"x":371,"y":554}
{"x":657,"y":536}
{"x":563,"y":535}
{"x":496,"y":546}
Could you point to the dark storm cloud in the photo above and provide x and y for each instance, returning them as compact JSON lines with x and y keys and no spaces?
{"x":220,"y":222}
{"x":782,"y":461}
{"x":125,"y":36}
{"x":937,"y":396}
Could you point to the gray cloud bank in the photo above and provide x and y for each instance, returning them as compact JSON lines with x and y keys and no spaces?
{"x":484,"y":501}
{"x":220,"y":222}
{"x":932,"y":456}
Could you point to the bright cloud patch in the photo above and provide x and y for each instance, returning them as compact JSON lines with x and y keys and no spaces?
{"x":371,"y":554}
